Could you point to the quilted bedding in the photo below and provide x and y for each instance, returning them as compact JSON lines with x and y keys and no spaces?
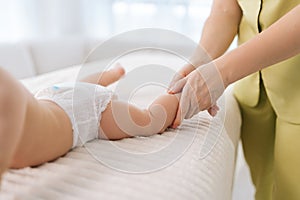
{"x":199,"y":165}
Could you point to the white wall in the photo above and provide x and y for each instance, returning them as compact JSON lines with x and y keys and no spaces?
{"x":28,"y":19}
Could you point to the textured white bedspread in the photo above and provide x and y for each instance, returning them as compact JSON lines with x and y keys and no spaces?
{"x":193,"y":176}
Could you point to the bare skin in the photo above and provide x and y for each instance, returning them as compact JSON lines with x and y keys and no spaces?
{"x":33,"y":132}
{"x":218,"y":33}
{"x":278,"y":42}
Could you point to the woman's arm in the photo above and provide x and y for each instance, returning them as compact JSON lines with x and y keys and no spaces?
{"x":220,"y":29}
{"x":277,"y":43}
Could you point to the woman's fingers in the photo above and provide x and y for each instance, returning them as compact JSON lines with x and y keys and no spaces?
{"x":213,"y":110}
{"x":183,"y":72}
{"x":183,"y":108}
{"x":177,"y":120}
{"x":178,"y":86}
{"x":175,"y":79}
{"x":200,"y":91}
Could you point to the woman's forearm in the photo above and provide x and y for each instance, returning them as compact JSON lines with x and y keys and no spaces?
{"x":219,"y":30}
{"x":277,"y":43}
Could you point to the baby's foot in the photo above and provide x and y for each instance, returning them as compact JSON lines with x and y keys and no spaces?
{"x":112,"y":75}
{"x":118,"y":70}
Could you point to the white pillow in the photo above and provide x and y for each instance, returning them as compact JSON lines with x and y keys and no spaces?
{"x":57,"y":53}
{"x":16,"y":59}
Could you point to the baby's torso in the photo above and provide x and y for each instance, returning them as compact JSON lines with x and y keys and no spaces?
{"x":83,"y":103}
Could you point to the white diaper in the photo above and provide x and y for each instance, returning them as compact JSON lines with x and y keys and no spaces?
{"x":83,"y":103}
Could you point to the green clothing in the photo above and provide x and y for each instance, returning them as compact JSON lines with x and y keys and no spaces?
{"x":270,"y":107}
{"x":282,"y":80}
{"x":271,"y":147}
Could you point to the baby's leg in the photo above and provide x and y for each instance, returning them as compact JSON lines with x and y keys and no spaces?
{"x":13,"y":101}
{"x":118,"y":123}
{"x":31,"y":132}
{"x":107,"y":77}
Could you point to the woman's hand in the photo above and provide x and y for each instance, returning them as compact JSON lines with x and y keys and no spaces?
{"x":179,"y":76}
{"x":200,"y":91}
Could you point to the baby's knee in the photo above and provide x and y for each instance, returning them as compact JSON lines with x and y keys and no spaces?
{"x":4,"y":83}
{"x":5,"y":100}
{"x":2,"y":71}
{"x":4,"y":76}
{"x":5,"y":94}
{"x":11,"y":92}
{"x":17,"y":163}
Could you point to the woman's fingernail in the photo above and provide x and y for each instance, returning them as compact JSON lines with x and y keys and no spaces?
{"x":170,"y":91}
{"x":215,"y":112}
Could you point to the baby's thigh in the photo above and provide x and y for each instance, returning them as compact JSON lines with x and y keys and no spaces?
{"x":122,"y":120}
{"x":47,"y":135}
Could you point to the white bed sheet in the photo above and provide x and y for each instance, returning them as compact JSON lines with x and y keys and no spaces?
{"x":78,"y":175}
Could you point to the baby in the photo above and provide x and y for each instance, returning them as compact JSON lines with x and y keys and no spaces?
{"x":34,"y":130}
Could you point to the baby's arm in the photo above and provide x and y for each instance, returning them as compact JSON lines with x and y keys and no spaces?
{"x":122,"y":120}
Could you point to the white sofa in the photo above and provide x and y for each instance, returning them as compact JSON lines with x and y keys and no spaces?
{"x":30,"y":58}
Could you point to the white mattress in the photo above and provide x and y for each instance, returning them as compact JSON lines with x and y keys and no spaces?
{"x":197,"y":173}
